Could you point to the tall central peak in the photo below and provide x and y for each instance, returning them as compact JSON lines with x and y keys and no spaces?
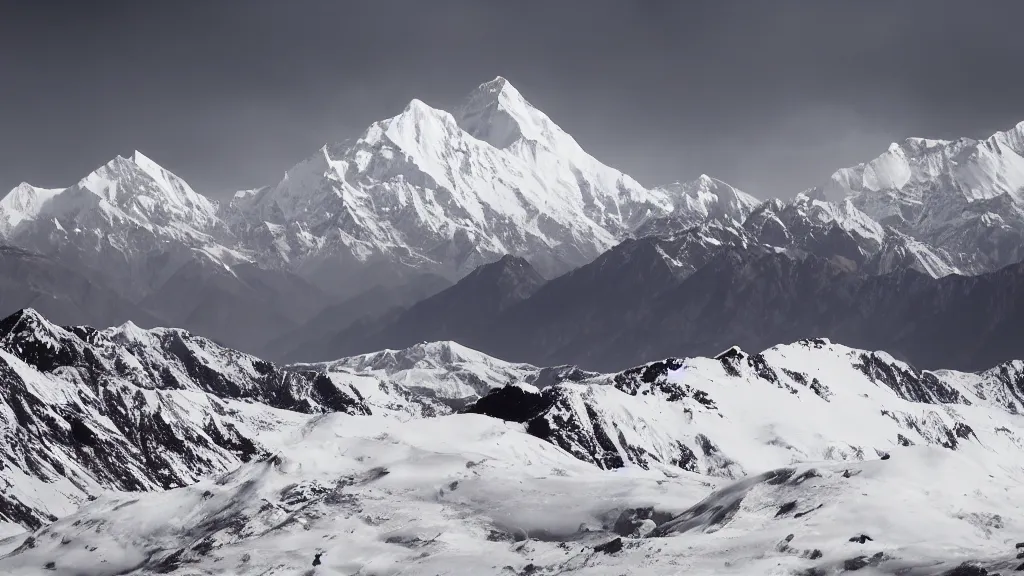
{"x":498,"y":92}
{"x":498,"y":114}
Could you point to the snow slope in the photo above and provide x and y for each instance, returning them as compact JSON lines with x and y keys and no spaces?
{"x":738,"y":464}
{"x":116,"y":217}
{"x":86,"y":410}
{"x":739,"y":414}
{"x":370,"y":495}
{"x":964,"y":196}
{"x":703,"y":200}
{"x":467,"y":494}
{"x":447,"y":371}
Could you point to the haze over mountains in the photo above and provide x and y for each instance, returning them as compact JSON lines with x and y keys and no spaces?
{"x":361,"y":246}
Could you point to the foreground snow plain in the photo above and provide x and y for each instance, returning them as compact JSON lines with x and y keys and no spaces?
{"x":469,"y":494}
{"x":807,"y":459}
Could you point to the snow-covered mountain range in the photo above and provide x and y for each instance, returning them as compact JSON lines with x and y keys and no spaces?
{"x":131,"y":409}
{"x":447,"y":192}
{"x":965,"y":197}
{"x":138,"y":451}
{"x":423,"y":194}
{"x":429,"y":194}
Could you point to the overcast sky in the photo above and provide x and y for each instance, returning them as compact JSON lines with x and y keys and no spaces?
{"x":769,"y":96}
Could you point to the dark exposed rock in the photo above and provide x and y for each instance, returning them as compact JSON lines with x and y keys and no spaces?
{"x":630,"y":519}
{"x":967,"y":569}
{"x":783,"y":545}
{"x":860,"y":562}
{"x":719,"y":508}
{"x":786,"y":508}
{"x":806,"y":512}
{"x":748,"y":295}
{"x":654,"y":377}
{"x":909,"y":383}
{"x":512,"y":404}
{"x":552,"y":415}
{"x":861,"y":539}
{"x":610,"y":547}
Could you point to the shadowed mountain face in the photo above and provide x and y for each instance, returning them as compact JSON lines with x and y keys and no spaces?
{"x":754,"y":300}
{"x":458,"y":313}
{"x":637,"y":302}
{"x":312,"y":339}
{"x":67,"y":294}
{"x":243,"y":305}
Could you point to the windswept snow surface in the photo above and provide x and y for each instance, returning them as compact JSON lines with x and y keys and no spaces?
{"x":467,"y":494}
{"x":773,"y":463}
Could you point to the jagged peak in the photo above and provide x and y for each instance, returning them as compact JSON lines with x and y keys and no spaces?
{"x":1012,"y":138}
{"x":917,"y":142}
{"x":28,"y":322}
{"x":703,"y":182}
{"x":27,"y":315}
{"x":143,"y":160}
{"x":436,"y":353}
{"x":498,"y":83}
{"x":513,"y":260}
{"x":122,"y":179}
{"x":731,"y":352}
{"x":417,"y":106}
{"x":130,"y":332}
{"x":496,"y":113}
{"x":774,"y":204}
{"x":708,"y":197}
{"x":498,"y":92}
{"x":25,"y":201}
{"x":417,"y":110}
{"x":417,"y":121}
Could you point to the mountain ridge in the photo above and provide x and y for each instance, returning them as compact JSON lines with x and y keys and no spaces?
{"x":432,"y":194}
{"x":801,"y":440}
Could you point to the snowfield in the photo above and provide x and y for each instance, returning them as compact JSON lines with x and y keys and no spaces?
{"x":467,"y":494}
{"x":133,"y":452}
